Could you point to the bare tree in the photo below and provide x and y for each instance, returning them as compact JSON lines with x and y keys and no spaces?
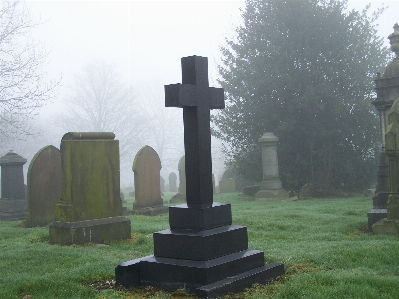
{"x":23,"y":88}
{"x":101,"y":102}
{"x":165,"y":127}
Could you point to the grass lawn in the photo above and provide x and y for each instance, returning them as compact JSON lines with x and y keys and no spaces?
{"x":322,"y":242}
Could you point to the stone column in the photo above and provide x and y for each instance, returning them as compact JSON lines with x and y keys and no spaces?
{"x":13,"y":201}
{"x":271,"y":186}
{"x":387,"y":90}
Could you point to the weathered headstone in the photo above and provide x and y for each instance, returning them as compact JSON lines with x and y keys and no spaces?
{"x":147,"y":167}
{"x":387,"y":90}
{"x":271,"y":186}
{"x":202,"y":251}
{"x":182,"y":175}
{"x":90,"y":208}
{"x":389,"y":225}
{"x":13,"y":200}
{"x":44,"y":186}
{"x":162,"y":180}
{"x":172,"y":182}
{"x":180,"y":197}
{"x":227,"y":184}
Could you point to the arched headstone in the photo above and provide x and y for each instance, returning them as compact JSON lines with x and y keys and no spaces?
{"x":147,"y":167}
{"x":44,"y":186}
{"x":172,"y":182}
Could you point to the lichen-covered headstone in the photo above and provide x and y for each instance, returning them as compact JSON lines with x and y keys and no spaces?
{"x":13,"y":200}
{"x":172,"y":182}
{"x":147,"y":167}
{"x":90,"y":208}
{"x":44,"y":186}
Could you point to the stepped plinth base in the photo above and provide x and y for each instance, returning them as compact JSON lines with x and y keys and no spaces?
{"x":206,"y":279}
{"x":386,"y":227}
{"x":203,"y":252}
{"x":271,"y":194}
{"x":90,"y":231}
{"x":12,"y":209}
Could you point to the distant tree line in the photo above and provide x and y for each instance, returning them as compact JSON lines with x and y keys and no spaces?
{"x":304,"y":70}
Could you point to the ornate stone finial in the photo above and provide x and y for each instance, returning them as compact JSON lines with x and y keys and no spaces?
{"x":394,"y":39}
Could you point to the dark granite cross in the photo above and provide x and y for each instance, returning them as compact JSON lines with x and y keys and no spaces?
{"x":196,"y":98}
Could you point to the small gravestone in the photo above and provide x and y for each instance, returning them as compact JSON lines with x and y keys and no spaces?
{"x":389,"y":225}
{"x":162,"y":180}
{"x":172,"y":182}
{"x":44,"y":186}
{"x":271,"y":186}
{"x":227,"y":184}
{"x":13,"y":200}
{"x":90,"y":208}
{"x":180,"y":197}
{"x":202,"y":251}
{"x":147,"y":167}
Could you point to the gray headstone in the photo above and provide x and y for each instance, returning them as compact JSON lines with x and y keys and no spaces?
{"x":13,"y":201}
{"x":172,"y":182}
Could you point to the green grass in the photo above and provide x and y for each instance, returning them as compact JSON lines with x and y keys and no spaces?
{"x":322,"y":242}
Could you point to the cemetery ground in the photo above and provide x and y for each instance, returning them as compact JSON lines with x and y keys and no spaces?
{"x":323,"y":243}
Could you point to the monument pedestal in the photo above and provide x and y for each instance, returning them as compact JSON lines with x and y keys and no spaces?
{"x":12,"y":209}
{"x":207,"y":255}
{"x":386,"y":227}
{"x":89,"y":231}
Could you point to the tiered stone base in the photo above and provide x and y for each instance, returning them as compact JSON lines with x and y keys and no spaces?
{"x":203,"y":252}
{"x":90,"y":231}
{"x":12,"y":209}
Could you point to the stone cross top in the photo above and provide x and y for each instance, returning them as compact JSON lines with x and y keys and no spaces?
{"x":196,"y":98}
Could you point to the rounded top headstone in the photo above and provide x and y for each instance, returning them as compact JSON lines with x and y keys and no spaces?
{"x":392,"y":69}
{"x":12,"y":158}
{"x":268,"y":138}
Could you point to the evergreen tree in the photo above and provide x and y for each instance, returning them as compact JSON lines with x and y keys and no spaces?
{"x":304,"y":70}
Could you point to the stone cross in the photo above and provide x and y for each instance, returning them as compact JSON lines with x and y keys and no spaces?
{"x":196,"y":98}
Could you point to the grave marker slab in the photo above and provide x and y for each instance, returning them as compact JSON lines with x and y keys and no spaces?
{"x":13,"y":200}
{"x":180,"y":197}
{"x":44,"y":186}
{"x":172,"y":182}
{"x":147,"y":167}
{"x":190,"y":253}
{"x":90,"y":208}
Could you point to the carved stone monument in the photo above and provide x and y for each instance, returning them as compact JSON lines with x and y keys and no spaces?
{"x":146,"y":168}
{"x":44,"y":186}
{"x":90,"y":208}
{"x":271,"y":186}
{"x":13,"y":201}
{"x":387,"y":89}
{"x":202,"y":251}
{"x":389,"y":225}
